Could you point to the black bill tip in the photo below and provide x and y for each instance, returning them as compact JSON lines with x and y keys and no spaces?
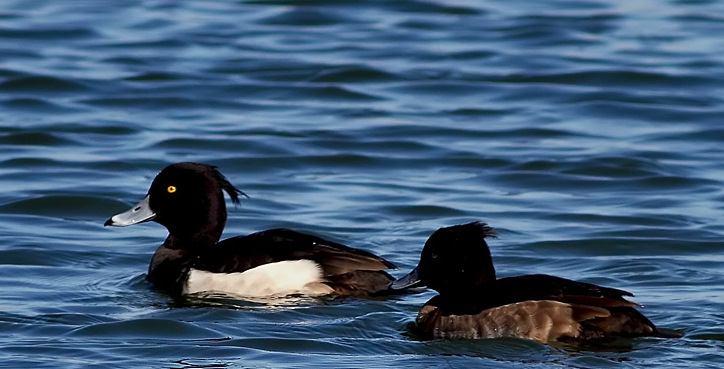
{"x":411,"y":279}
{"x":138,"y":214}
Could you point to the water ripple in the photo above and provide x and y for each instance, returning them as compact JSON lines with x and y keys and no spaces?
{"x":587,"y":132}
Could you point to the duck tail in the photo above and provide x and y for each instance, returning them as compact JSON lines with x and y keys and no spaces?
{"x":668,"y":333}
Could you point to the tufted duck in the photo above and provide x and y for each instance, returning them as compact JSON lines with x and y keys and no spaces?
{"x":473,"y":303}
{"x":188,"y":199}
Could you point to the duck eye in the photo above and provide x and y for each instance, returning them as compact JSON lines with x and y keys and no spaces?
{"x":171,"y":189}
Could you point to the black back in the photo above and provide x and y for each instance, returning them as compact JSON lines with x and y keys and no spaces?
{"x":531,"y":287}
{"x":241,"y":253}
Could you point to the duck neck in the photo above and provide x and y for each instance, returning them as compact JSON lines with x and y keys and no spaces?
{"x":191,"y":242}
{"x":469,"y":300}
{"x":197,"y":239}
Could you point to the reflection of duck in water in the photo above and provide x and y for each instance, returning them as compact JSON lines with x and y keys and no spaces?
{"x":472,"y":303}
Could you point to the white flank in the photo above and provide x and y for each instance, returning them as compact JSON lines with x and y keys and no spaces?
{"x":274,"y":279}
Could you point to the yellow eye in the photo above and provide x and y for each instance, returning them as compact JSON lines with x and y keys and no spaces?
{"x":171,"y":189}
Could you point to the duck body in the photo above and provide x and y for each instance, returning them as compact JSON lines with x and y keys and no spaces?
{"x":274,"y":262}
{"x":539,"y":307}
{"x":473,"y":303}
{"x":188,"y":199}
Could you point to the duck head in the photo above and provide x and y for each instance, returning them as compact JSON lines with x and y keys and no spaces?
{"x":454,"y":260}
{"x":187,"y":199}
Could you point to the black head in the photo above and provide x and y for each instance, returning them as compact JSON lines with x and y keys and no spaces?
{"x":186,"y":198}
{"x":454,"y":260}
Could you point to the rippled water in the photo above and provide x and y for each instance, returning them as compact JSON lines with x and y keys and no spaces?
{"x":588,"y":132}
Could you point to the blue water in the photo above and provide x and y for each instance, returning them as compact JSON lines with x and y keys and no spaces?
{"x":590,"y":133}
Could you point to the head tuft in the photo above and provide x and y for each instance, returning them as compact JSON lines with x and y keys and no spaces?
{"x":484,"y":229}
{"x":227,"y":186}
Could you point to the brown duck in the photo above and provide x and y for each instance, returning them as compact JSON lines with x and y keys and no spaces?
{"x":473,"y":303}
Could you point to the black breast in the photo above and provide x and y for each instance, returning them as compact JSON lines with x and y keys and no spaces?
{"x":169,"y":269}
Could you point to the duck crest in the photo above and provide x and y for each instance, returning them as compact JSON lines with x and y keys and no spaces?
{"x":227,"y":186}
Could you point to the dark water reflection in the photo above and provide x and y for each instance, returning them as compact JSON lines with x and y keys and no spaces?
{"x":588,"y":132}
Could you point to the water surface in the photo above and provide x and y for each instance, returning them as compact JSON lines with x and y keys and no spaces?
{"x":589,"y":133}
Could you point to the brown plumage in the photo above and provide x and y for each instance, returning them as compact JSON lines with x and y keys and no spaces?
{"x":542,"y":321}
{"x":473,"y":303}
